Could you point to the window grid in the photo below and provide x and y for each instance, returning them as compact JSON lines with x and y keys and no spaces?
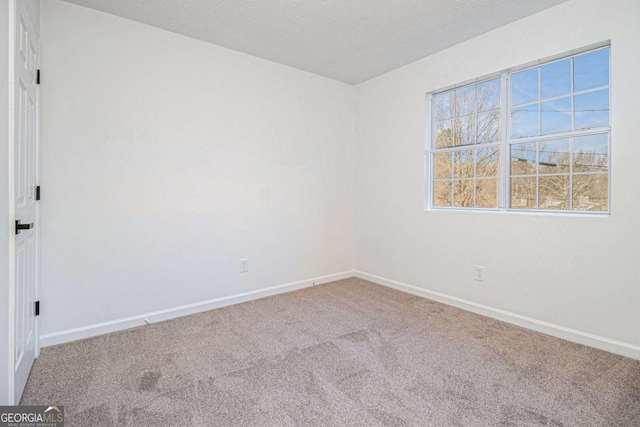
{"x":571,"y":173}
{"x":571,"y":134}
{"x":571,"y":95}
{"x":505,"y":141}
{"x":475,"y":152}
{"x":486,"y":105}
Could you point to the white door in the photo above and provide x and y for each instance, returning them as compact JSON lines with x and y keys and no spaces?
{"x":26,"y":56}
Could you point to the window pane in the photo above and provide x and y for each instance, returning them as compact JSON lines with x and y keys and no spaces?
{"x":488,"y":127}
{"x":465,"y":101}
{"x":591,"y":153}
{"x":489,"y":95}
{"x":591,"y":70}
{"x":463,"y":164}
{"x":555,"y":191}
{"x":487,"y":162}
{"x":487,"y":193}
{"x":590,"y":192}
{"x":444,"y":134}
{"x":523,"y":193}
{"x":524,"y":86}
{"x":443,"y":103}
{"x":555,"y":79}
{"x":442,"y":193}
{"x":524,"y":121}
{"x":463,"y":193}
{"x":592,"y":109}
{"x":556,"y":115}
{"x":554,"y":156}
{"x":442,"y":165}
{"x":523,"y":159}
{"x":465,"y":132}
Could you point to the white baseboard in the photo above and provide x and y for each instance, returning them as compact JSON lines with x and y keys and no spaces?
{"x":585,"y":338}
{"x":580,"y":337}
{"x":69,"y":335}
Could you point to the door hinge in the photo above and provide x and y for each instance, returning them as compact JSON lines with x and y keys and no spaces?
{"x":37,"y":308}
{"x":37,"y":192}
{"x":38,"y":77}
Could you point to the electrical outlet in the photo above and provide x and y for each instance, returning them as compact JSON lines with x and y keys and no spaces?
{"x":478,"y":273}
{"x":244,"y":265}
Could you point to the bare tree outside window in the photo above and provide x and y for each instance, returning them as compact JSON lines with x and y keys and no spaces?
{"x":556,"y":146}
{"x":466,"y":155}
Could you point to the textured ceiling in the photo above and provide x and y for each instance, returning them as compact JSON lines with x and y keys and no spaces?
{"x":347,"y":40}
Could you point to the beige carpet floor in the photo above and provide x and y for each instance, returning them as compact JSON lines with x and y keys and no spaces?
{"x":349,"y":353}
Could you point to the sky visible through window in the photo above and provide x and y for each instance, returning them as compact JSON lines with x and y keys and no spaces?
{"x":556,"y":141}
{"x":565,"y":95}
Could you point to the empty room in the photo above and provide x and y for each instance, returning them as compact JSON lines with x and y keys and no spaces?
{"x":319,"y":213}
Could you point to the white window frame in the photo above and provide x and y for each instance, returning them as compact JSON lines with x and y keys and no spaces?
{"x":504,"y":179}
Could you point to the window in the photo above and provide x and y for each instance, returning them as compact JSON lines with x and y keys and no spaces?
{"x":534,"y":139}
{"x":467,"y":146}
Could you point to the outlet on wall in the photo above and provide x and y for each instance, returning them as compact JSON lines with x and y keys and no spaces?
{"x":478,"y":273}
{"x":244,"y":265}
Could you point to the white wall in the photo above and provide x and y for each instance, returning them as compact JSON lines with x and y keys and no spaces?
{"x":5,"y":220}
{"x":165,"y":160}
{"x":581,"y":273}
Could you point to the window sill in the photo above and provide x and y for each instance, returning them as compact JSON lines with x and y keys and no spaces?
{"x":561,"y":214}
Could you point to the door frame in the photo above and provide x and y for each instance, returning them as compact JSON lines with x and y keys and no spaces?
{"x":12,"y":200}
{"x":5,"y":259}
{"x":12,"y":208}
